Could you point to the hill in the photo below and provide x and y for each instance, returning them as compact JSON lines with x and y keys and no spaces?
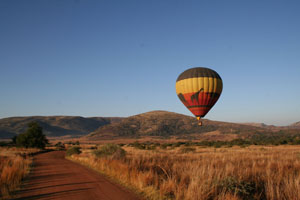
{"x":297,"y":124}
{"x":165,"y":124}
{"x":54,"y":125}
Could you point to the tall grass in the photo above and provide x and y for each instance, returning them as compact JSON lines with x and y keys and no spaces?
{"x":206,"y":173}
{"x":14,"y":166}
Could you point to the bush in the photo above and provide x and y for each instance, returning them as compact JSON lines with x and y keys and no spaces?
{"x":164,"y":146}
{"x":151,"y":147}
{"x":73,"y":150}
{"x":177,"y":144}
{"x":3,"y":144}
{"x":187,"y":150}
{"x":32,"y":138}
{"x":60,"y":146}
{"x":244,"y":189}
{"x":138,"y":145}
{"x":217,"y":145}
{"x":113,"y":151}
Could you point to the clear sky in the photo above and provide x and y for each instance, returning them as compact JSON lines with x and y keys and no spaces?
{"x":121,"y":58}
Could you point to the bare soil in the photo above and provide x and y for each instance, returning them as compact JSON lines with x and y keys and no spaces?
{"x":54,"y":177}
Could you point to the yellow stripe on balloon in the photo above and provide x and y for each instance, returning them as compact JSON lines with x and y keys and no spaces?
{"x":191,"y":85}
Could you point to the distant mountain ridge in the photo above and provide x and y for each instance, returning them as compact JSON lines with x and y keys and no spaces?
{"x":54,"y":125}
{"x":153,"y":124}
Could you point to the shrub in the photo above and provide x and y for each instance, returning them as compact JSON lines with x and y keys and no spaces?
{"x":187,"y":149}
{"x":73,"y":150}
{"x":138,"y":145}
{"x":177,"y":144}
{"x":244,"y":145}
{"x":113,"y":151}
{"x":217,"y":145}
{"x":32,"y":138}
{"x":60,"y":146}
{"x":244,"y":189}
{"x":164,"y":146}
{"x":3,"y":144}
{"x":150,"y":147}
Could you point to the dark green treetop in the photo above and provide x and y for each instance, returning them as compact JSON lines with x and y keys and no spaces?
{"x":33,"y":137}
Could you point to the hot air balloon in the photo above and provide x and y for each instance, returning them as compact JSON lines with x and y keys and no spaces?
{"x":199,"y":89}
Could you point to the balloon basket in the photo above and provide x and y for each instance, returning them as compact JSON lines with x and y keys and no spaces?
{"x":200,"y":123}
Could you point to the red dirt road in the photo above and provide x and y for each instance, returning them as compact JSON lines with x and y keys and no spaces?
{"x":54,"y":177}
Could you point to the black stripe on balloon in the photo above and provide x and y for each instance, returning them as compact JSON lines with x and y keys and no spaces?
{"x":212,"y":94}
{"x":199,"y":106}
{"x":198,"y":72}
{"x":181,"y":97}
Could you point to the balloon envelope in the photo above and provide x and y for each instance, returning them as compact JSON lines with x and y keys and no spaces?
{"x":199,"y":89}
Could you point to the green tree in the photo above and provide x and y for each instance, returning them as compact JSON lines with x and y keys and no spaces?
{"x":33,"y":137}
{"x":14,"y":140}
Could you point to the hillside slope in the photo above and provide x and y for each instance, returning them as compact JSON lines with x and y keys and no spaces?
{"x":163,"y":123}
{"x":54,"y":125}
{"x":297,"y":124}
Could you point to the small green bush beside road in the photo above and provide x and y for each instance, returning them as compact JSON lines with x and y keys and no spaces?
{"x":110,"y":150}
{"x":73,"y":150}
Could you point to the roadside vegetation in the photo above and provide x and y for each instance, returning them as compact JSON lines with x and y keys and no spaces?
{"x":15,"y":165}
{"x":73,"y":150}
{"x":191,"y":171}
{"x":16,"y":158}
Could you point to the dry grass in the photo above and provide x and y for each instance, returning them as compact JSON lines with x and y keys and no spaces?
{"x":271,"y":173}
{"x":14,"y":166}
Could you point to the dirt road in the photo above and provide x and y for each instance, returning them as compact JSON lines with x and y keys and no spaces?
{"x":54,"y":177}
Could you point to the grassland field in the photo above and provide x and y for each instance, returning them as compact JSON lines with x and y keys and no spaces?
{"x":201,"y":173}
{"x":184,"y":170}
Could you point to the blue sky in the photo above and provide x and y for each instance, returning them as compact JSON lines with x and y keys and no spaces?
{"x":121,"y":58}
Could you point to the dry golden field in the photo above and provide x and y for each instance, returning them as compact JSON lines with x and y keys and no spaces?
{"x":198,"y":173}
{"x":14,"y":166}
